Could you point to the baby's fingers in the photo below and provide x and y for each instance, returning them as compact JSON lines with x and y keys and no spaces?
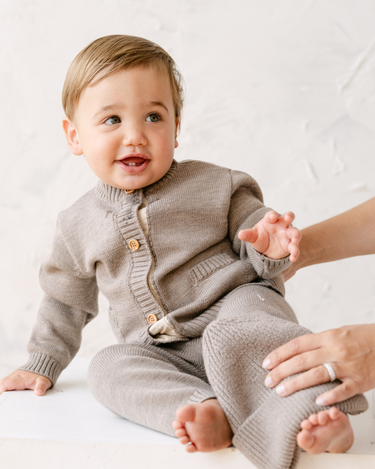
{"x":294,"y":252}
{"x":250,"y":235}
{"x":3,"y":386}
{"x":287,"y":218}
{"x":41,"y":385}
{"x":20,"y":380}
{"x":10,"y":383}
{"x":271,"y":217}
{"x":294,"y":234}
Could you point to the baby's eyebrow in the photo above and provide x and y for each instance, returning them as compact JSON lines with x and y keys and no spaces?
{"x":109,"y":107}
{"x":106,"y":108}
{"x":159,"y":103}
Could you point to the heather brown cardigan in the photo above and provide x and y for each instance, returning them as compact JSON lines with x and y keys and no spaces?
{"x":194,"y":214}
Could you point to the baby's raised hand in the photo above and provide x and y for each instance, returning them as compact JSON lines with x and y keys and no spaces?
{"x":20,"y":380}
{"x":274,"y":237}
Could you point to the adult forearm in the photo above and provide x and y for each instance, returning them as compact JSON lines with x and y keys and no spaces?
{"x":346,"y":235}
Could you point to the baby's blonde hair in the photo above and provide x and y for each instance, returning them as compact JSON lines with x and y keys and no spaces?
{"x":110,"y":54}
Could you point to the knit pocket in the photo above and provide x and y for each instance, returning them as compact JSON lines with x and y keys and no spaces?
{"x":206,"y":268}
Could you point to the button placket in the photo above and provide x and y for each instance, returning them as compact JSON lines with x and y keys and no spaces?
{"x":140,"y":260}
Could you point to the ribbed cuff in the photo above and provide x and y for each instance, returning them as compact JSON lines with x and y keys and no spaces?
{"x":201,"y":395}
{"x":276,"y":423}
{"x":43,"y":365}
{"x":267,"y":268}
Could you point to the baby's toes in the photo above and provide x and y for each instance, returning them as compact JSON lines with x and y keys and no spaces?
{"x":334,"y":413}
{"x":181,"y":432}
{"x":313,"y":419}
{"x":305,"y":440}
{"x":177,"y":424}
{"x":191,"y":448}
{"x":184,"y":440}
{"x":306,"y":425}
{"x":323,"y":417}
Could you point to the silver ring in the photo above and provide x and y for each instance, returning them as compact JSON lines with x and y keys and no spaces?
{"x":330,"y":370}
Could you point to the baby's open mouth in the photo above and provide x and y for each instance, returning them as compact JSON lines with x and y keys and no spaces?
{"x":133,"y":161}
{"x":133,"y":164}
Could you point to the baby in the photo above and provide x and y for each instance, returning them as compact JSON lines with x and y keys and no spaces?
{"x":190,"y":260}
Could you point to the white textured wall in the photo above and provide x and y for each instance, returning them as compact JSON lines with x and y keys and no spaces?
{"x":282,"y":89}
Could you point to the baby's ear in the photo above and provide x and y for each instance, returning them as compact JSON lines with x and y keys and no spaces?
{"x":176,"y":132}
{"x":72,"y":137}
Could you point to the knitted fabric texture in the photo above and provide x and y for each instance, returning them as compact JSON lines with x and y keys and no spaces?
{"x":193,"y":215}
{"x":148,"y":383}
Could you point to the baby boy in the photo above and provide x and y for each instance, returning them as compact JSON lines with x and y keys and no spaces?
{"x":190,"y":260}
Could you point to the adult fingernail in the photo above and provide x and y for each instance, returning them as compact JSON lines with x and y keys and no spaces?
{"x":266,"y":363}
{"x":280,"y":389}
{"x":320,"y":402}
{"x":268,"y":381}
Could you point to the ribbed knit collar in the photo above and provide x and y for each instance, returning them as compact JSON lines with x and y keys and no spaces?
{"x":114,"y":194}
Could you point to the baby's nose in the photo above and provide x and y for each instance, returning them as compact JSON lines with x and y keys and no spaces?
{"x":134,"y":136}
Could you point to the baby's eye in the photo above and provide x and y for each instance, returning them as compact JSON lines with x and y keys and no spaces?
{"x":113,"y":120}
{"x":153,"y":118}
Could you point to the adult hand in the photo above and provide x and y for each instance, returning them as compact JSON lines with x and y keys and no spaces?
{"x":350,"y":350}
{"x":290,"y":271}
{"x":20,"y":380}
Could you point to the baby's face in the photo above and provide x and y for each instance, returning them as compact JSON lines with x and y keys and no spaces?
{"x":126,"y":128}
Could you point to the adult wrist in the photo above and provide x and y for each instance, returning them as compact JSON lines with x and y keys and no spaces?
{"x":311,"y":252}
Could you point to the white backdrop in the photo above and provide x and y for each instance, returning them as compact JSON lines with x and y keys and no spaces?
{"x":281,"y":89}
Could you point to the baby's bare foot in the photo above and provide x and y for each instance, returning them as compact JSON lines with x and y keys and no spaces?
{"x":328,"y":430}
{"x":203,"y":427}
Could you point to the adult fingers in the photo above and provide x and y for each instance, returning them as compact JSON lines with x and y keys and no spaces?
{"x":41,"y":385}
{"x":296,"y":346}
{"x":317,"y":375}
{"x":302,"y":362}
{"x":347,"y":389}
{"x":289,"y":272}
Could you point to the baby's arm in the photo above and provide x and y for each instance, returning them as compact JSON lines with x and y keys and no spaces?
{"x":259,"y":225}
{"x":70,"y":301}
{"x":20,"y":380}
{"x":274,"y":237}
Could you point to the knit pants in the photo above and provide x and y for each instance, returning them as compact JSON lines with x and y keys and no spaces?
{"x":147,"y":384}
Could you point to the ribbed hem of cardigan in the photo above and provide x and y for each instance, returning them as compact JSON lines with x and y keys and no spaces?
{"x":200,"y":395}
{"x":43,"y":365}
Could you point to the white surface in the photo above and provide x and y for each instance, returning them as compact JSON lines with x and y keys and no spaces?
{"x":68,"y":428}
{"x":69,"y":412}
{"x":282,"y":89}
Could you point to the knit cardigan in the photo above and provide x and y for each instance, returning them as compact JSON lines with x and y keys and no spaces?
{"x":194,"y":214}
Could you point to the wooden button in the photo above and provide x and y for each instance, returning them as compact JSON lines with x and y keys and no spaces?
{"x":152,"y":318}
{"x":129,"y":191}
{"x":134,"y":245}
